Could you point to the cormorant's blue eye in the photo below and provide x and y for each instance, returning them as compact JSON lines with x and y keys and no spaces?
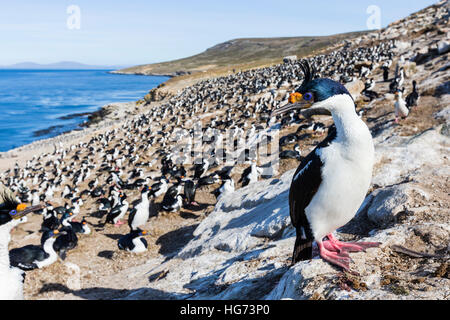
{"x":13,"y":212}
{"x":308,"y":96}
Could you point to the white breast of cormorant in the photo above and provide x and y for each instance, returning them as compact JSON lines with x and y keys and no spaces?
{"x":346,"y":172}
{"x":52,"y":256}
{"x":138,"y":245}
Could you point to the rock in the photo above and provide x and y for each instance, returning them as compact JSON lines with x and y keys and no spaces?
{"x":289,"y":59}
{"x":387,"y":203}
{"x":422,"y":58}
{"x":406,"y":156}
{"x":402,"y":45}
{"x":443,"y":47}
{"x":73,"y":282}
{"x":442,"y":89}
{"x":436,"y":235}
{"x":445,"y":114}
{"x":303,"y":280}
{"x":241,"y":219}
{"x":445,"y":130}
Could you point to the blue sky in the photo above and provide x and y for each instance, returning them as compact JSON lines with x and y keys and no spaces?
{"x":137,"y":31}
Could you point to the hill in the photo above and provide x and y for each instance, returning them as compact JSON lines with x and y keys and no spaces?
{"x":238,"y":52}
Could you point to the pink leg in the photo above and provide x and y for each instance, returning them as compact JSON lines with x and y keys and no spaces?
{"x":194,"y":203}
{"x":396,"y":120}
{"x":351,"y":246}
{"x":335,"y":258}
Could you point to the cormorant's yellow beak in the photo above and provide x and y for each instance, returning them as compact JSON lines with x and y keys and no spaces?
{"x":22,"y":210}
{"x":21,"y":207}
{"x":295,"y":97}
{"x":296,"y":101}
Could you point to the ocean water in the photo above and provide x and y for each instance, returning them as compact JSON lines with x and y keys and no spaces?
{"x":32,"y":101}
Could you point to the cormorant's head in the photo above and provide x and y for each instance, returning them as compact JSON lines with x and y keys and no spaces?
{"x":313,"y":92}
{"x":49,"y":234}
{"x":10,"y":209}
{"x":66,"y":216}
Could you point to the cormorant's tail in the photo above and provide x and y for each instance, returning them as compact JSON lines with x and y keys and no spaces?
{"x":302,"y":249}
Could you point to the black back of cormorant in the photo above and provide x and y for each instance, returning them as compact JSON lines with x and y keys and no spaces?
{"x":24,"y":257}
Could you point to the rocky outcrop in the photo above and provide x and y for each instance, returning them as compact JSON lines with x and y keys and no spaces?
{"x":156,"y":94}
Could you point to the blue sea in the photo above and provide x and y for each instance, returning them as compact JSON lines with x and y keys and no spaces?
{"x":32,"y":101}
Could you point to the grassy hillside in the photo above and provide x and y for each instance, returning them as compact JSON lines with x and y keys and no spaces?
{"x":242,"y":51}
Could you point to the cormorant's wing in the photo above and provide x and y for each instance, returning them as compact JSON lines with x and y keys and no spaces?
{"x":131,"y":216}
{"x":305,"y":183}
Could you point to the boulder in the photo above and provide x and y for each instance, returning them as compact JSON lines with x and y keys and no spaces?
{"x":443,"y":47}
{"x":304,"y":280}
{"x":442,"y":89}
{"x":289,"y":59}
{"x":387,"y":203}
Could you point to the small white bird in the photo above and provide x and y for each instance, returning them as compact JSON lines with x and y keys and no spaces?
{"x":226,"y":188}
{"x":401,"y":111}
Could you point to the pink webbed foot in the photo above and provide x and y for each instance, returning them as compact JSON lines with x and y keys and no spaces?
{"x":118,"y":223}
{"x":351,"y":246}
{"x":331,"y":246}
{"x":339,"y":259}
{"x":193,"y":203}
